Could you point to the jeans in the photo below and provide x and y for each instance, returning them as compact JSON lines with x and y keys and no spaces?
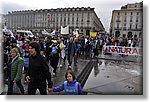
{"x":70,"y":57}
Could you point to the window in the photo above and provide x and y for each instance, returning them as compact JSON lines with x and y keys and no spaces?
{"x":125,"y":19}
{"x":130,"y":26}
{"x":137,"y":19}
{"x":68,"y":14}
{"x":88,"y":21}
{"x":118,"y":25}
{"x":60,"y":19}
{"x":57,"y":19}
{"x":125,"y":25}
{"x":72,"y":20}
{"x":88,"y":16}
{"x":135,"y":6}
{"x":131,"y":18}
{"x":82,"y":20}
{"x":136,"y":26}
{"x":118,"y":17}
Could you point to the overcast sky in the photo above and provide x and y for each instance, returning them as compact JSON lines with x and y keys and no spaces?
{"x":103,"y":8}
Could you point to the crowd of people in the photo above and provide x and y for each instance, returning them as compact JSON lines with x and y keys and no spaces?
{"x":32,"y":57}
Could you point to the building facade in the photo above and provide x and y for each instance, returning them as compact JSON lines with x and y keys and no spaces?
{"x":128,"y":21}
{"x":83,"y":19}
{"x":1,"y":58}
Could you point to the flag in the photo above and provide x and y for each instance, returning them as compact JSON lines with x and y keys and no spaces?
{"x":53,"y":32}
{"x":77,"y":34}
{"x":93,"y":34}
{"x":45,"y":32}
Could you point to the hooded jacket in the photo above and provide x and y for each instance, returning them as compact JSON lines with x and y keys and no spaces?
{"x":75,"y":84}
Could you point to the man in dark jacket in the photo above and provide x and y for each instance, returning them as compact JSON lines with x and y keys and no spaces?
{"x":38,"y":71}
{"x":71,"y":51}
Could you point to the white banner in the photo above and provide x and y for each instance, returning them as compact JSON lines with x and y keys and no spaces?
{"x":65,"y":30}
{"x":123,"y":50}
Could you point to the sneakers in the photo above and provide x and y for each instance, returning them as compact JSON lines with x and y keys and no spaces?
{"x":69,"y":68}
{"x":54,"y":74}
{"x":60,"y":66}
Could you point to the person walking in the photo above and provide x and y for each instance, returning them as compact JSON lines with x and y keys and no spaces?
{"x":78,"y":50}
{"x":54,"y":56}
{"x":38,"y":71}
{"x":62,"y":51}
{"x":15,"y":65}
{"x":71,"y":51}
{"x":70,"y":86}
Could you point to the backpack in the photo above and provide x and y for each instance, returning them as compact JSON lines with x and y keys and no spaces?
{"x":71,"y":90}
{"x":54,"y":50}
{"x":26,"y":62}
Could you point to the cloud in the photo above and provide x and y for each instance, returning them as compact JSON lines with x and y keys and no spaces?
{"x":103,"y":8}
{"x":11,"y":6}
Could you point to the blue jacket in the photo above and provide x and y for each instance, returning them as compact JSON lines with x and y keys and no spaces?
{"x":68,"y":87}
{"x":71,"y":49}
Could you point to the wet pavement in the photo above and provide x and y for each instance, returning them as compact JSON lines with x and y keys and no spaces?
{"x":110,"y":75}
{"x":113,"y":77}
{"x":1,"y":78}
{"x":1,"y":74}
{"x":60,"y":76}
